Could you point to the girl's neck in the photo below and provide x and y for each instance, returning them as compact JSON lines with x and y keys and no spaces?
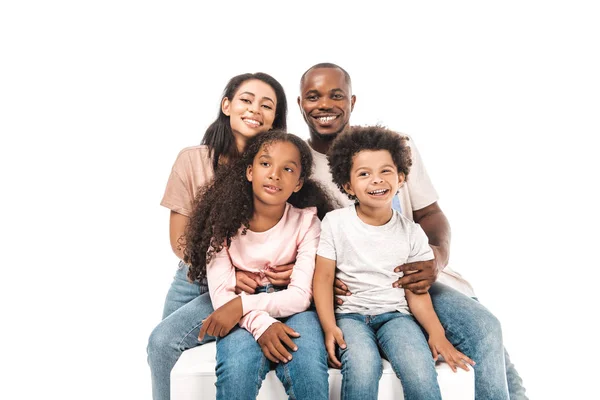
{"x":374,"y":216}
{"x":265,"y":216}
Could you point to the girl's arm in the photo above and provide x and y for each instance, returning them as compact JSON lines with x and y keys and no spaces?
{"x":323,"y":293}
{"x":421,"y":307}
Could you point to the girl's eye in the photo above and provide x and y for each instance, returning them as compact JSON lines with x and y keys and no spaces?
{"x":264,"y":164}
{"x":288,"y":169}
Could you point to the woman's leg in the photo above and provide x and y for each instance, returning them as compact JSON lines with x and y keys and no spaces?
{"x":361,"y":362}
{"x":241,"y":366}
{"x":306,"y":376}
{"x":404,"y":345}
{"x":177,"y":332}
{"x":473,"y":330}
{"x":182,"y":291}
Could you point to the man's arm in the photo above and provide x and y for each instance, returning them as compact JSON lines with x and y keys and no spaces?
{"x":435,"y":224}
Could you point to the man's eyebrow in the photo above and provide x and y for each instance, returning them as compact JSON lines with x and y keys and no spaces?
{"x":311,"y":91}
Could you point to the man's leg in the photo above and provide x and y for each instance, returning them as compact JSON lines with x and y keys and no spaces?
{"x":241,"y":366}
{"x":473,"y":330}
{"x":306,"y":376}
{"x":361,"y":361}
{"x":405,"y":346}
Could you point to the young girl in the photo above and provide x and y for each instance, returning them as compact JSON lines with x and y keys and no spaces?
{"x":264,"y":211}
{"x":362,"y":244}
{"x":251,"y":104}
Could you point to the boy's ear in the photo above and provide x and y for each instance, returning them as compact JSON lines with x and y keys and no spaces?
{"x":249,"y":173}
{"x":348,"y":189}
{"x":401,"y":179}
{"x":299,"y":185}
{"x":225,"y":106}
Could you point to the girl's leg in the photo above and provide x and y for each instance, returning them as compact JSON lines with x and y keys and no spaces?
{"x":306,"y":376}
{"x":404,"y":345}
{"x":176,"y":333}
{"x":473,"y":330}
{"x":241,"y":366}
{"x":361,"y":362}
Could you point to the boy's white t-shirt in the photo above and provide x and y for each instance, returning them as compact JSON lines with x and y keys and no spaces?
{"x":417,"y":193}
{"x":366,"y":256}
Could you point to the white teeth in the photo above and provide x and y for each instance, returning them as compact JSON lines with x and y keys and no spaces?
{"x":251,"y":122}
{"x":327,"y":119}
{"x":379,"y":191}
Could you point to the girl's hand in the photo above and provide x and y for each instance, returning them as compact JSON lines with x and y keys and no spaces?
{"x":274,"y":340}
{"x":333,"y":337}
{"x":246,"y":282}
{"x":220,"y":322}
{"x":454,"y":358}
{"x":280,"y":275}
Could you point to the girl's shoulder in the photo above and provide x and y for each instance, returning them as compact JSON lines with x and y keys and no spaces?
{"x":301,"y":216}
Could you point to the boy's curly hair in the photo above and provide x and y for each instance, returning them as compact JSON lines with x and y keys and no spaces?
{"x":359,"y":138}
{"x":226,"y":205}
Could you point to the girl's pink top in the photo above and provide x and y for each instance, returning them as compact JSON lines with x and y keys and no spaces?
{"x":293,"y":240}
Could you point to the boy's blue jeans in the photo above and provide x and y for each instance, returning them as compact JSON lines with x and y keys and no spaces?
{"x":187,"y":304}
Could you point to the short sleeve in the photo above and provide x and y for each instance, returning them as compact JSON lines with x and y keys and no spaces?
{"x":419,"y":244}
{"x":326,"y":244}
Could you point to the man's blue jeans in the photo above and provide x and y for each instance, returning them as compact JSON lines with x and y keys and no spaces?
{"x":242,"y":366}
{"x":402,"y":343}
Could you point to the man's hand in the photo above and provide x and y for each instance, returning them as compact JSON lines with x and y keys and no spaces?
{"x":332,"y":338}
{"x":340,"y":289}
{"x":280,"y":275}
{"x":419,"y":276}
{"x":274,"y":340}
{"x":246,"y":282}
{"x":220,"y":322}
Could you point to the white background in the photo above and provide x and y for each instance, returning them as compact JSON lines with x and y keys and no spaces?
{"x":97,"y":99}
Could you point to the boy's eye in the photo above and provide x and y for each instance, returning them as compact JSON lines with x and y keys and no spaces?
{"x":363,"y":174}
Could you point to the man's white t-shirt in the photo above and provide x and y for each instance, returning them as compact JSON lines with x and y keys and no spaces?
{"x":417,"y":193}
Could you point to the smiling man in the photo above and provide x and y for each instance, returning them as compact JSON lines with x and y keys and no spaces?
{"x":326,"y":102}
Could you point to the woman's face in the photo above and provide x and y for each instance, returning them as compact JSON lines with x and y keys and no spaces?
{"x":251,"y":110}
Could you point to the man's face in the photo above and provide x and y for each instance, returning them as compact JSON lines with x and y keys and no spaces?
{"x":326,"y":102}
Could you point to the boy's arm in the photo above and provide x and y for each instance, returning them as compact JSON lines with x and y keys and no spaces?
{"x":323,"y":295}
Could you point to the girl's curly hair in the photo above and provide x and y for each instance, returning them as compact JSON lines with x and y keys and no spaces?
{"x":226,"y":205}
{"x":359,"y":138}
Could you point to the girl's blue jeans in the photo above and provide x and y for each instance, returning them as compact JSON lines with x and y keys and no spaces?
{"x":469,"y":326}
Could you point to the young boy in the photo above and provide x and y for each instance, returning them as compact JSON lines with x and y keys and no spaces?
{"x":362,"y":244}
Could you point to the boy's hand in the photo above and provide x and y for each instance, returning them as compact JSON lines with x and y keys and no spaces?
{"x":280,"y":275}
{"x":246,"y":282}
{"x":340,"y":289}
{"x":220,"y":322}
{"x":454,"y":358}
{"x":333,"y":337}
{"x":274,"y":340}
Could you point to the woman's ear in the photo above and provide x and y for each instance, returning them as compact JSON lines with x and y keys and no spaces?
{"x":348,"y":189}
{"x":249,"y":173}
{"x":299,"y":185}
{"x":225,"y":105}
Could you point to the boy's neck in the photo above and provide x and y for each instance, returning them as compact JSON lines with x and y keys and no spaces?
{"x":374,"y":216}
{"x":265,"y":216}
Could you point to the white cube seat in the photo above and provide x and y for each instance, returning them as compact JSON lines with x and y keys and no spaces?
{"x":193,"y":378}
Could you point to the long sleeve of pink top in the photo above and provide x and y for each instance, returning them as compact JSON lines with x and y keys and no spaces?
{"x":294,"y":239}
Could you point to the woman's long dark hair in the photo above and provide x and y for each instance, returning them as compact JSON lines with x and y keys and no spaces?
{"x":226,"y":205}
{"x":219,"y":136}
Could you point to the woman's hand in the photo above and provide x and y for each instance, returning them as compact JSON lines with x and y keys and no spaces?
{"x":454,"y":358}
{"x":220,"y":322}
{"x":274,"y":340}
{"x":280,"y":275}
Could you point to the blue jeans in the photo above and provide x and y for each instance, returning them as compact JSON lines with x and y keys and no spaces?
{"x":242,"y":366}
{"x":186,"y":305}
{"x":402,"y":343}
{"x":473,"y":330}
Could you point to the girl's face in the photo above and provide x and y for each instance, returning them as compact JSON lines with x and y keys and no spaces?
{"x":251,"y":110}
{"x":275,"y":173}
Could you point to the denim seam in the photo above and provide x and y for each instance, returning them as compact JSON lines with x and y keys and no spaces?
{"x":259,"y":380}
{"x":288,"y":378}
{"x":186,"y":335}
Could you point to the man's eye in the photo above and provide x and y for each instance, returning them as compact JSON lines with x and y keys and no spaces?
{"x":312,"y":98}
{"x":338,"y":96}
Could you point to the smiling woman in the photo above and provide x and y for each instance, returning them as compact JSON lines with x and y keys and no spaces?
{"x":251,"y":104}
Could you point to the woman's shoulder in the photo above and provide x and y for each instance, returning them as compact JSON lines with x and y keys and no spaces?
{"x":196,"y":155}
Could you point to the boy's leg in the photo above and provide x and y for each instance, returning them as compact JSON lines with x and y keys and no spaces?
{"x":361,"y":362}
{"x":404,"y":345}
{"x":173,"y":335}
{"x":473,"y":330}
{"x":241,"y":366}
{"x":306,"y":376}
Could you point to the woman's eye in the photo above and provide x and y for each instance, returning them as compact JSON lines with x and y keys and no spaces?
{"x":267,"y":107}
{"x":245,"y":101}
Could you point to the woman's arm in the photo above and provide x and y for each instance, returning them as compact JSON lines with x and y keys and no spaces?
{"x":177,"y":225}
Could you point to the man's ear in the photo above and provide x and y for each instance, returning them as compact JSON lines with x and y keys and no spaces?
{"x":348,"y":189}
{"x":249,"y":173}
{"x":225,"y":106}
{"x":299,"y":185}
{"x":352,"y":101}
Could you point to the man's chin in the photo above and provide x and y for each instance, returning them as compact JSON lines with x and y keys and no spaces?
{"x":325,"y":137}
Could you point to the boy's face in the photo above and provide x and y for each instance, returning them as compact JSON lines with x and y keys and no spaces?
{"x":374,"y":178}
{"x":326,"y":101}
